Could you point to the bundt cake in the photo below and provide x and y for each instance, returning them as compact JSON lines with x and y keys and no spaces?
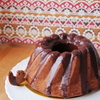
{"x":64,"y":65}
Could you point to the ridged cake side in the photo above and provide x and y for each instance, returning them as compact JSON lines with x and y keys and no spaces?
{"x":64,"y":65}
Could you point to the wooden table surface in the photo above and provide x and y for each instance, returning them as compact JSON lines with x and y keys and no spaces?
{"x":10,"y":55}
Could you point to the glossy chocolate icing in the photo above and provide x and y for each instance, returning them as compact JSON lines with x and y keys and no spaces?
{"x":71,"y":46}
{"x":63,"y":49}
{"x":48,"y":55}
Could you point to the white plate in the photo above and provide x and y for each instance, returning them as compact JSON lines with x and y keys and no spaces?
{"x":23,"y":93}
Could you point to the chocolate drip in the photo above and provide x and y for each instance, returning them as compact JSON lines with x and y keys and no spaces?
{"x":71,"y":37}
{"x":99,"y":78}
{"x":97,"y":55}
{"x":60,"y":59}
{"x":43,"y":60}
{"x":83,"y":70}
{"x":65,"y":78}
{"x":94,"y":62}
{"x":54,"y":37}
{"x":77,"y":46}
{"x":63,"y":36}
{"x":37,"y":51}
{"x":43,"y":54}
{"x":47,"y":39}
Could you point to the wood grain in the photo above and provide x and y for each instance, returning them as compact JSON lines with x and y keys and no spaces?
{"x":10,"y":55}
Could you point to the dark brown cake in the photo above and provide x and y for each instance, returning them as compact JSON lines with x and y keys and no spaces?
{"x":64,"y":65}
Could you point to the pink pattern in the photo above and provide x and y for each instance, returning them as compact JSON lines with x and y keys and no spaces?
{"x":25,"y":17}
{"x":18,"y":40}
{"x":30,"y":41}
{"x":45,"y":7}
{"x":71,"y":22}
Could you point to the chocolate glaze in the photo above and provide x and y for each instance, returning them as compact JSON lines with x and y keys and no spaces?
{"x":38,"y":50}
{"x":94,"y":62}
{"x":71,"y":37}
{"x":63,"y":48}
{"x":63,"y":36}
{"x":83,"y":70}
{"x":43,"y":60}
{"x":93,"y":55}
{"x":59,"y":60}
{"x":55,"y":37}
{"x":80,"y":46}
{"x":43,"y":54}
{"x":65,"y":78}
{"x":84,"y":47}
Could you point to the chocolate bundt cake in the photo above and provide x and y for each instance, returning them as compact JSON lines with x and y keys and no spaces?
{"x":64,"y":65}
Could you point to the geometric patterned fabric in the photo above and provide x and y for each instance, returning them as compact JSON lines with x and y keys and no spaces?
{"x":27,"y":21}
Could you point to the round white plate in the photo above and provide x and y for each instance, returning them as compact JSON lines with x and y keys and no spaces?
{"x":23,"y":93}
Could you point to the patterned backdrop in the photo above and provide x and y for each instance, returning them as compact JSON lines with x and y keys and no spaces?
{"x":27,"y":21}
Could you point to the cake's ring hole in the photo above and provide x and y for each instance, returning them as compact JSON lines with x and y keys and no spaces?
{"x":63,"y":47}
